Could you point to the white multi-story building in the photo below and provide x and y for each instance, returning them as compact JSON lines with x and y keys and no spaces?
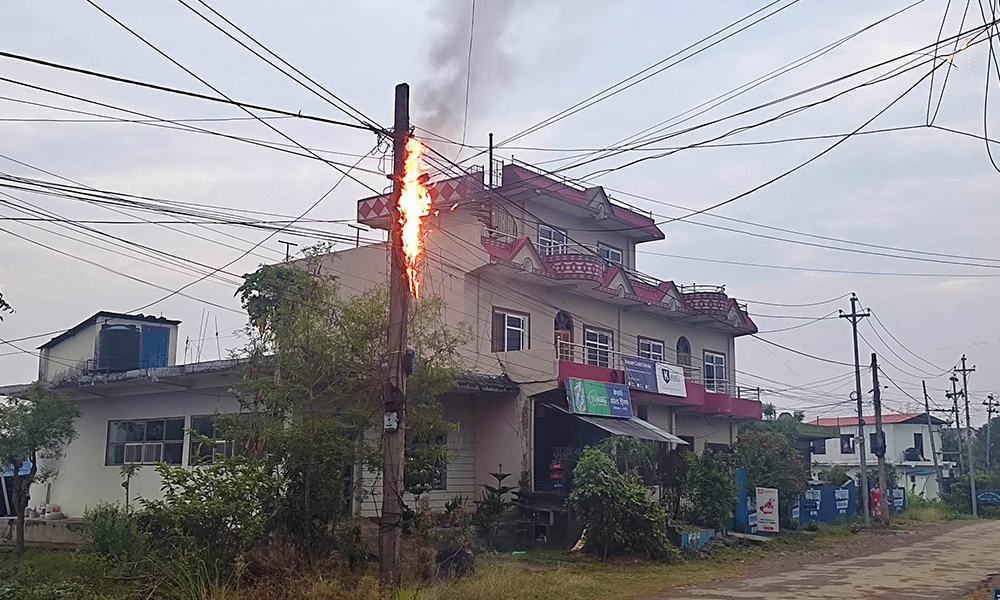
{"x":907,"y":449}
{"x":546,"y":277}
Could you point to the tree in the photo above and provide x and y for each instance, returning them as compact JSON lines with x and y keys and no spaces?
{"x":712,"y":489}
{"x":4,"y":307}
{"x":34,"y":425}
{"x":771,"y":461}
{"x":315,"y":370}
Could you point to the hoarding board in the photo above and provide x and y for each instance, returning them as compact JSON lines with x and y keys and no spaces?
{"x":598,"y":398}
{"x":767,"y":510}
{"x":657,"y":377}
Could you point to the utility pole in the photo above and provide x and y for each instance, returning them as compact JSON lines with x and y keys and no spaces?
{"x":953,"y":396}
{"x":288,"y":246}
{"x":394,"y":392}
{"x":968,"y":427}
{"x":930,"y":432}
{"x":989,"y":418}
{"x":854,"y":317}
{"x":878,"y":447}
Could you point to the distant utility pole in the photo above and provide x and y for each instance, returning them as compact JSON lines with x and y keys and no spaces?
{"x":968,"y":427}
{"x":878,"y":447}
{"x":989,"y":418}
{"x":930,"y":432}
{"x":288,"y":246}
{"x":394,"y":392}
{"x":854,"y":317}
{"x":953,"y":396}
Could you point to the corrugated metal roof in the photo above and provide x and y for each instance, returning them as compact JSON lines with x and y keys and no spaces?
{"x":111,"y":315}
{"x":480,"y":382}
{"x":631,"y":427}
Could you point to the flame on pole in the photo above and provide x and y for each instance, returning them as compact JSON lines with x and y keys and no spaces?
{"x":414,"y":204}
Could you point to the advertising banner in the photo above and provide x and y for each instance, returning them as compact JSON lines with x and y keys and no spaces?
{"x":767,"y":510}
{"x":598,"y":398}
{"x":670,"y":380}
{"x":657,"y":377}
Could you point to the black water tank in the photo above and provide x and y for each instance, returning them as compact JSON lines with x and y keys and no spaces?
{"x":118,"y":348}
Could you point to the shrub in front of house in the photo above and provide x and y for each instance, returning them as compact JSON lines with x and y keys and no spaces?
{"x":619,"y":517}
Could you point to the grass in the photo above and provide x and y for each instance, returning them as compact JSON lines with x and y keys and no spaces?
{"x":537,"y":575}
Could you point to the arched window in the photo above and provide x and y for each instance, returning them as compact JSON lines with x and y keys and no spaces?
{"x":684,"y":353}
{"x":564,"y":335}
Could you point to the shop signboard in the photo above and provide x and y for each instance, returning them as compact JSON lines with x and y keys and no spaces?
{"x":767,"y":510}
{"x":651,"y":376}
{"x":598,"y":398}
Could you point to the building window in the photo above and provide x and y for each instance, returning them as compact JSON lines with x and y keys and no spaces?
{"x":145,"y":442}
{"x":847,"y":443}
{"x":690,"y":442}
{"x":610,"y":254}
{"x":551,"y":240}
{"x":818,"y":446}
{"x":599,"y":346}
{"x":684,"y":353}
{"x":564,"y":335}
{"x":434,"y":450}
{"x":715,"y":371}
{"x":716,"y":447}
{"x":642,"y":411}
{"x":206,"y":452}
{"x":918,"y":443}
{"x":651,"y":349}
{"x":510,"y":331}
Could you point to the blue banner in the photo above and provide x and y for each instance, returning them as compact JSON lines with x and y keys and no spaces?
{"x":640,"y":373}
{"x":988,"y":497}
{"x":619,"y":401}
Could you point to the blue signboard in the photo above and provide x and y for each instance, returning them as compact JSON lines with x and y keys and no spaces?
{"x":825,"y":503}
{"x":640,"y":373}
{"x":988,"y":497}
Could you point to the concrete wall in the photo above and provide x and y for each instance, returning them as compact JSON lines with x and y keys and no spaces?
{"x":706,"y":429}
{"x":83,"y":480}
{"x":69,"y":357}
{"x":461,"y":479}
{"x":898,"y":437}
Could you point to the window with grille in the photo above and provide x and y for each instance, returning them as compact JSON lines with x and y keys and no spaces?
{"x":145,"y":442}
{"x":510,"y":331}
{"x":551,"y":240}
{"x":847,"y":443}
{"x":715,"y":372}
{"x":203,"y":452}
{"x":651,"y":349}
{"x":610,"y":254}
{"x":599,"y":346}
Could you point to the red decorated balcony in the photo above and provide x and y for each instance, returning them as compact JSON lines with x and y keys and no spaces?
{"x":715,"y":396}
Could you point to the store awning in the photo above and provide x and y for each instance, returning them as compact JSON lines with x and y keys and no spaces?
{"x":631,"y":427}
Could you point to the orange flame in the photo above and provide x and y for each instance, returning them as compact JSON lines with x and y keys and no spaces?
{"x":414,"y":204}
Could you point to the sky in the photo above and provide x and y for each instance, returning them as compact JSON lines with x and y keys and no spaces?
{"x":923,"y":189}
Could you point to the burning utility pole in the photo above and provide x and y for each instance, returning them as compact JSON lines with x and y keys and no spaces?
{"x":409,"y":204}
{"x":394,"y":394}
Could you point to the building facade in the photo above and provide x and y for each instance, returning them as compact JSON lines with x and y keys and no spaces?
{"x":545,"y":277}
{"x":907,"y":443}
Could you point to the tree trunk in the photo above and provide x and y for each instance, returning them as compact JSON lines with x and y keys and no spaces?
{"x":20,"y":493}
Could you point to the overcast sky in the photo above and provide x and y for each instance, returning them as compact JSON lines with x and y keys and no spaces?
{"x":921,"y":189}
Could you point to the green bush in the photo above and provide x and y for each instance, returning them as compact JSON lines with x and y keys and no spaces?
{"x":22,"y":581}
{"x":771,"y":461}
{"x":619,"y":517}
{"x":112,"y":531}
{"x":711,"y":487}
{"x":223,"y":510}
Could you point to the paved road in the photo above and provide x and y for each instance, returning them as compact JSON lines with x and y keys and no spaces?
{"x":949,"y":565}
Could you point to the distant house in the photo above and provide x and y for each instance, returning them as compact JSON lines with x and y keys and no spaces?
{"x":908,"y":448}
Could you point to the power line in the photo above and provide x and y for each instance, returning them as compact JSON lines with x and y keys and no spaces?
{"x":160,"y":88}
{"x":356,"y":114}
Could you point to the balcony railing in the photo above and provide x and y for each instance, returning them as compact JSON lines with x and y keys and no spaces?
{"x":598,"y":356}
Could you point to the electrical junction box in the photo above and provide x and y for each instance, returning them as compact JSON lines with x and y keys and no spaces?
{"x":391,"y":421}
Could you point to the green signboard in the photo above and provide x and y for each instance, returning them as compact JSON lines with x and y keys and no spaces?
{"x":598,"y":398}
